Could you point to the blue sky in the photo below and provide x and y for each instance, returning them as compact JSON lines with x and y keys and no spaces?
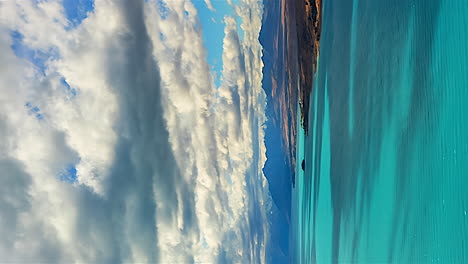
{"x":213,"y":32}
{"x":77,"y":10}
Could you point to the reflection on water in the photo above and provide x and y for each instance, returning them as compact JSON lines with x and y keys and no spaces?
{"x":386,"y":176}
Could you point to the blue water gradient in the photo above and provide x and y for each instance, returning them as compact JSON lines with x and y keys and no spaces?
{"x":387,"y":153}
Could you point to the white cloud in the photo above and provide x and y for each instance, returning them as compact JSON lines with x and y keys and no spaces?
{"x":210,"y":5}
{"x":168,"y":166}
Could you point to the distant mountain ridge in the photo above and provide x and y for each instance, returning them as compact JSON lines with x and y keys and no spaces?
{"x":279,"y":168}
{"x":290,"y":37}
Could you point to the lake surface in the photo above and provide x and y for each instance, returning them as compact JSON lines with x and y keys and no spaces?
{"x":386,"y":178}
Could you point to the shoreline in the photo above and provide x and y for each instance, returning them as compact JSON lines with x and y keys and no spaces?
{"x":308,"y":27}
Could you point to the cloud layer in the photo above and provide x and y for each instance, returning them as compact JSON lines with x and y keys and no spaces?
{"x":116,"y":144}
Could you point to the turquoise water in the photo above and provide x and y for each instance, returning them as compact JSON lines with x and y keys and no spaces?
{"x":386,"y":177}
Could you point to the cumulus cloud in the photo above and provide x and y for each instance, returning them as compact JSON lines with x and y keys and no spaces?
{"x":168,"y":166}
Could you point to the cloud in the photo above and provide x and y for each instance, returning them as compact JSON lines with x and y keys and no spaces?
{"x":168,"y":167}
{"x":210,"y":5}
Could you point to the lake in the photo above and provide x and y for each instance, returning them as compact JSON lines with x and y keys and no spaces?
{"x":386,"y":155}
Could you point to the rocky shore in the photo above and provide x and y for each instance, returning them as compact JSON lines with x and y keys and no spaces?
{"x":290,"y":37}
{"x":308,"y":27}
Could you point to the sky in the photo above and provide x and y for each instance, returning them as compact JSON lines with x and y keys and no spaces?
{"x":133,"y":131}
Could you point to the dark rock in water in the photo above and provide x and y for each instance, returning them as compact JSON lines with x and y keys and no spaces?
{"x":303,"y":165}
